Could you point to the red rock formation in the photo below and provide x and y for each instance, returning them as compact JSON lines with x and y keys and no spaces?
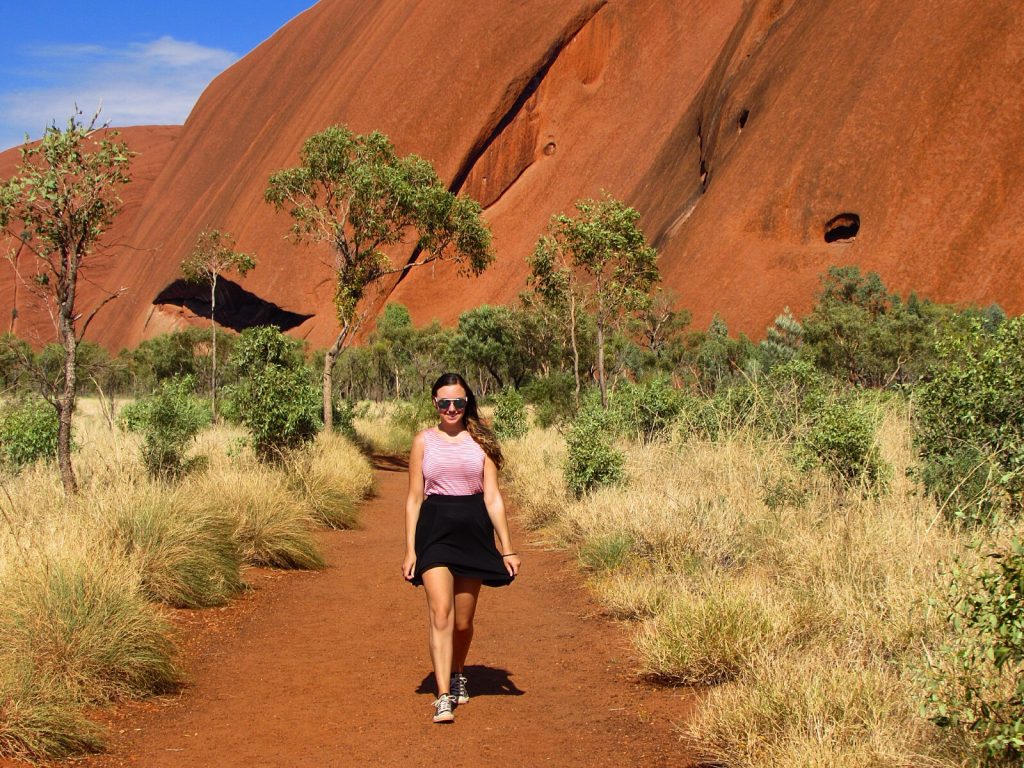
{"x":738,"y":128}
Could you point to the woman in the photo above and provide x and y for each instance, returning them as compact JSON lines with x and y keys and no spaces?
{"x":453,"y":510}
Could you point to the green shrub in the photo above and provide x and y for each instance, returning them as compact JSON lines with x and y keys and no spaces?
{"x":841,"y":440}
{"x":592,"y":460}
{"x":344,"y":416}
{"x":645,"y":412}
{"x":169,"y":421}
{"x":276,"y":397}
{"x":28,"y":431}
{"x":510,"y":420}
{"x":970,"y":422}
{"x":413,"y":415}
{"x":977,"y":685}
{"x":553,"y":397}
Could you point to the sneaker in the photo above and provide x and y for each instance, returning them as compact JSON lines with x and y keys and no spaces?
{"x":443,"y":709}
{"x":459,"y":690}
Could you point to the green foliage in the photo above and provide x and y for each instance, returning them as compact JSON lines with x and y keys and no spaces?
{"x":599,"y":259}
{"x":168,"y":421}
{"x":28,"y":431}
{"x":488,"y":337}
{"x":841,"y":440}
{"x":977,"y":684}
{"x":354,"y":192}
{"x":510,"y":418}
{"x":276,"y":398}
{"x":552,"y":397}
{"x":646,"y":411}
{"x":214,"y":255}
{"x":860,"y":332}
{"x":592,"y":459}
{"x":970,"y":422}
{"x":413,"y":415}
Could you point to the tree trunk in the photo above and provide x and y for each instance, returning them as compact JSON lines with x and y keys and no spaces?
{"x":66,"y":405}
{"x":575,"y":348}
{"x":328,"y":378}
{"x":600,"y":365}
{"x":213,"y":326}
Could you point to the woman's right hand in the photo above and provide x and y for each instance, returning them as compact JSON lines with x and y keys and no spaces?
{"x":409,"y":566}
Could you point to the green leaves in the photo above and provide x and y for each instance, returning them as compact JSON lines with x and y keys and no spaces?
{"x":356,"y":193}
{"x":977,"y":684}
{"x":214,"y":255}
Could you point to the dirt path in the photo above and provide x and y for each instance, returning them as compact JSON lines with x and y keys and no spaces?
{"x":331,"y":669}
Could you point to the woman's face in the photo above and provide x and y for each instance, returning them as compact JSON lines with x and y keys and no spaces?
{"x":450,"y":413}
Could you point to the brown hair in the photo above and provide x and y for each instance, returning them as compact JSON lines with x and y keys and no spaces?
{"x":478,"y":429}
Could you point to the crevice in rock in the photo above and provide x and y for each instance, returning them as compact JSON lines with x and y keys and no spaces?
{"x":842,"y":228}
{"x":237,"y":308}
{"x":539,"y":72}
{"x":491,"y":133}
{"x":704,"y":178}
{"x":741,"y":120}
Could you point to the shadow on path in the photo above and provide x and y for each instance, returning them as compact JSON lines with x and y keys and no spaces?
{"x":483,"y":681}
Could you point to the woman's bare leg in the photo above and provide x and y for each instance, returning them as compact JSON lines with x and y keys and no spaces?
{"x":439,"y":585}
{"x":467,"y":592}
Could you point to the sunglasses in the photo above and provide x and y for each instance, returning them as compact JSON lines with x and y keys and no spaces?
{"x":444,"y":403}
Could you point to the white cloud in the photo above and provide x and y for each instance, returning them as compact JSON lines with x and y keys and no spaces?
{"x":140,"y":84}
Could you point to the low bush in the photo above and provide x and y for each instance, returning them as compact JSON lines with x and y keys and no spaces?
{"x":606,"y":554}
{"x":709,"y":636}
{"x":28,"y":431}
{"x":646,"y":411}
{"x":977,"y":681}
{"x":841,"y":440}
{"x":510,"y":419}
{"x":276,"y":397}
{"x":79,"y":616}
{"x":553,"y":397}
{"x":36,"y":725}
{"x":970,"y":422}
{"x":592,"y":459}
{"x":168,"y":421}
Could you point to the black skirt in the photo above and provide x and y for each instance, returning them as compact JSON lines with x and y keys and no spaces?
{"x":455,"y":532}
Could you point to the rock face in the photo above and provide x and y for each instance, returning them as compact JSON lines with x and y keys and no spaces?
{"x":762,"y":141}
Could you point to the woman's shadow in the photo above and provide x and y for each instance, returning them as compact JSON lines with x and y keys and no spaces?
{"x":483,"y":681}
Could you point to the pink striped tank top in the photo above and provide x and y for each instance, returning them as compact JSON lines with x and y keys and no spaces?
{"x":451,"y":467}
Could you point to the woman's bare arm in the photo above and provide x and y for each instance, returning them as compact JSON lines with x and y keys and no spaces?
{"x":412,"y":505}
{"x":496,"y":511}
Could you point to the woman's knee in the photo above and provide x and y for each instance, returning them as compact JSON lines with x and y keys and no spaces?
{"x":442,"y":616}
{"x":463,"y":624}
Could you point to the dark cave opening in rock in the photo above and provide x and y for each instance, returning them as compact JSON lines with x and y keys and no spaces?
{"x":237,"y":308}
{"x":741,"y":121}
{"x":842,"y":228}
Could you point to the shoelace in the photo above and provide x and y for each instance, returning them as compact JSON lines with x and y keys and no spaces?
{"x":443,"y":704}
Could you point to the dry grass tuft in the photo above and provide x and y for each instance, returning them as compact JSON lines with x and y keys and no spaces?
{"x":273,"y":526}
{"x":333,"y":476}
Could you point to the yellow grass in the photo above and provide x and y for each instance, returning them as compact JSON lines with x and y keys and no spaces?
{"x":806,"y":607}
{"x":82,"y":579}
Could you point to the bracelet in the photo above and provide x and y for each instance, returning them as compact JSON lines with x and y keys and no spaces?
{"x":508,"y":554}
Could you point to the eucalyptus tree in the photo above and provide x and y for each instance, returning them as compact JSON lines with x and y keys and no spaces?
{"x":354,"y":192}
{"x":214,"y":255}
{"x":598,"y":261}
{"x":58,"y":204}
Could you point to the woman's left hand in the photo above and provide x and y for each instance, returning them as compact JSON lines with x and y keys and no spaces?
{"x":512,"y":563}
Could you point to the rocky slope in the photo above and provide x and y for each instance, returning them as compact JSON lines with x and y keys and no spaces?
{"x":762,"y":140}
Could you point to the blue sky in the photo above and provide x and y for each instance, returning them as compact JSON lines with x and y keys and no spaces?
{"x":147,"y":62}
